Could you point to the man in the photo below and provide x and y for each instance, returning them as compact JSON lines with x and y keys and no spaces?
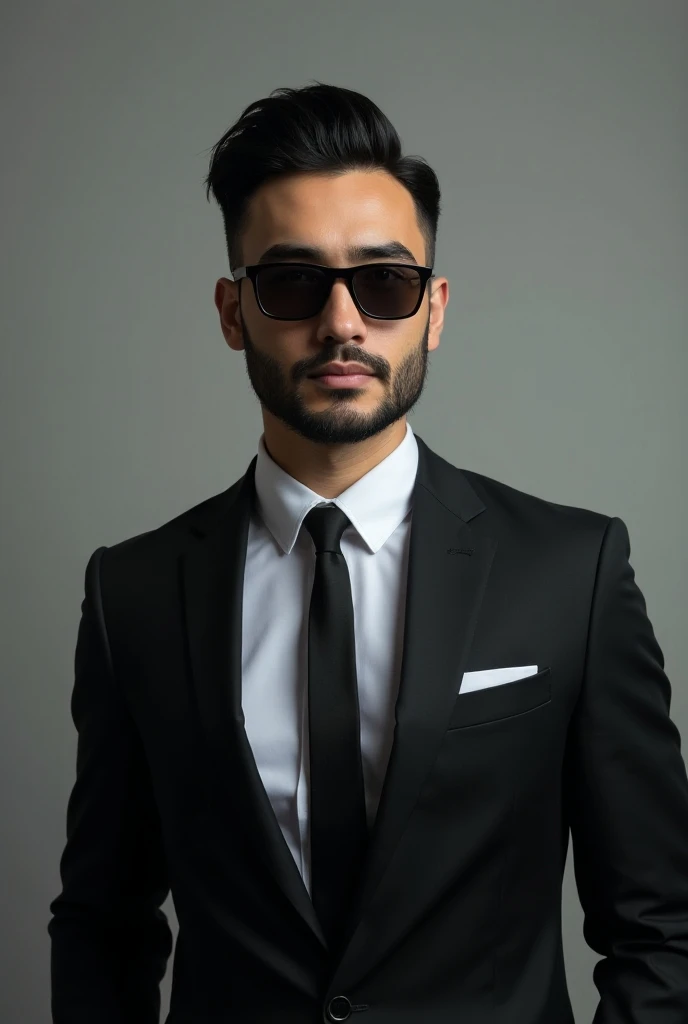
{"x":348,"y":710}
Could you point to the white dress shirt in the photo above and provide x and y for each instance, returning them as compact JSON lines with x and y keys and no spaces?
{"x":280,"y":568}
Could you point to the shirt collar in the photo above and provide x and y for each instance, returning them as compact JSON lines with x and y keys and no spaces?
{"x":376,"y":504}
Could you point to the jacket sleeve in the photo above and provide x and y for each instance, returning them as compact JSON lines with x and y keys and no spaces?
{"x":110,"y":941}
{"x":627,"y":801}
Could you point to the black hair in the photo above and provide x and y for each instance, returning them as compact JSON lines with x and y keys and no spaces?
{"x":318,"y":128}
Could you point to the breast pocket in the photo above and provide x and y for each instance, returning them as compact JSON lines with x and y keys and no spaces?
{"x":505,"y":700}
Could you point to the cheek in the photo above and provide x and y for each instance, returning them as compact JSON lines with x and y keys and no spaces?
{"x":288,"y":348}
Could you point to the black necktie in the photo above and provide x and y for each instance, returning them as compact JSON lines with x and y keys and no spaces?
{"x":339,"y":831}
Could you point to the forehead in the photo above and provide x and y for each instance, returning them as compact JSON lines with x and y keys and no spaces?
{"x":332,"y":212}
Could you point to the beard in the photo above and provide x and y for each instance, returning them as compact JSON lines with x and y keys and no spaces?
{"x":281,"y":393}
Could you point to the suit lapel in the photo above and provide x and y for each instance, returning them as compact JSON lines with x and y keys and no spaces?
{"x":448,"y":568}
{"x":213,"y":580}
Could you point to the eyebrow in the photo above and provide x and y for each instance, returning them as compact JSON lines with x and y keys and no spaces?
{"x":393,"y":250}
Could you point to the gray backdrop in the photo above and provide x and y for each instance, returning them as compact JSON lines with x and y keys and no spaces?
{"x":558,"y":132}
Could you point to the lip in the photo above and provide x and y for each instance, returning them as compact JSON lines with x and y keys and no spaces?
{"x":343,"y":380}
{"x":343,"y":369}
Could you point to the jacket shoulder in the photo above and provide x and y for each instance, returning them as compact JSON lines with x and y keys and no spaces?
{"x":511,"y":501}
{"x":173,"y":534}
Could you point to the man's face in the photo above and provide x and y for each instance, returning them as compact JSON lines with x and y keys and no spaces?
{"x":332,"y":214}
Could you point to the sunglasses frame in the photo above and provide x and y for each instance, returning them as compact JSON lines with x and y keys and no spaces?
{"x":333,"y":273}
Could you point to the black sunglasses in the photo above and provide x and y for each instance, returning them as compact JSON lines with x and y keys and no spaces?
{"x":297,"y":291}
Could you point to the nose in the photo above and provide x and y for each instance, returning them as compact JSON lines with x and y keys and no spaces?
{"x":340,"y":316}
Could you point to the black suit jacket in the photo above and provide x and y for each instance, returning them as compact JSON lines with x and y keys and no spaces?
{"x":458,"y":913}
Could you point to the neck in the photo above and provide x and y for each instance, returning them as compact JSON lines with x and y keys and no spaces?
{"x":329,"y":469}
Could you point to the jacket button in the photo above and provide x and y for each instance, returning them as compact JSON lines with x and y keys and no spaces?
{"x":338,"y":1008}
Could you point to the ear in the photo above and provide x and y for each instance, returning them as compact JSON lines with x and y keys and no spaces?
{"x":227,"y":303}
{"x":439,"y":297}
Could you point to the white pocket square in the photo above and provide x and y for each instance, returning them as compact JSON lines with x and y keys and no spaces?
{"x":495,"y":677}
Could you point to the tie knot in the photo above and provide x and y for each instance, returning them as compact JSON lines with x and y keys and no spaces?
{"x":326,"y":526}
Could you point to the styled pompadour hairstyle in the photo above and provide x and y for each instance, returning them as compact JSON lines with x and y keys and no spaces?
{"x":318,"y":128}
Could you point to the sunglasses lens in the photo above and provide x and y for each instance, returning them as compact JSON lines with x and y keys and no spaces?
{"x":387,"y":291}
{"x":293,"y":293}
